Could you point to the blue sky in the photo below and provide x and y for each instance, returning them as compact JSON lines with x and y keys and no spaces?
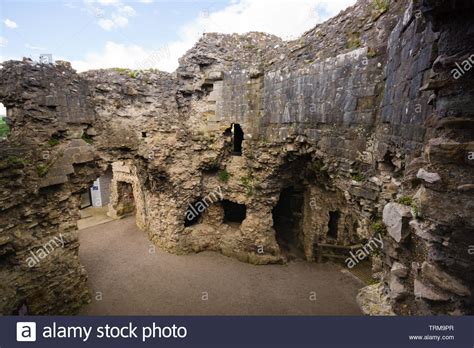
{"x":143,"y":34}
{"x":70,"y":29}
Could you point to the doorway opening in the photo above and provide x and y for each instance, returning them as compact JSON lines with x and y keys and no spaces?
{"x":332,"y":224}
{"x":237,"y":134}
{"x":288,"y":221}
{"x":94,"y":208}
{"x":86,"y":199}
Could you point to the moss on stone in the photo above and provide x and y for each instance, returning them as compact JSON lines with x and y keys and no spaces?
{"x":86,"y":138}
{"x":381,"y":5}
{"x":53,"y":142}
{"x":371,"y":52}
{"x":379,"y":227}
{"x":121,"y":70}
{"x":353,"y":40}
{"x":224,"y":175}
{"x":13,"y":160}
{"x":408,"y":201}
{"x":247,"y":182}
{"x":134,"y":73}
{"x":359,"y":177}
{"x":42,"y":170}
{"x":405,"y":200}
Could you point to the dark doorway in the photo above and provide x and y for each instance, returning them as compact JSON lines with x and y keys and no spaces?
{"x":332,"y":224}
{"x":86,"y":199}
{"x":194,"y":213}
{"x":233,"y":212}
{"x":237,"y":135}
{"x":238,"y":138}
{"x":288,"y":219}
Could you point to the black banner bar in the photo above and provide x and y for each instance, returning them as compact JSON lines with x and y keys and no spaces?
{"x":327,"y":332}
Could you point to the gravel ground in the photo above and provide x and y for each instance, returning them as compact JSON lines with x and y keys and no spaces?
{"x":129,"y":276}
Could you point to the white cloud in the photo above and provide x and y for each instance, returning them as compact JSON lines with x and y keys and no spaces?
{"x":35,"y":48}
{"x":113,"y":22}
{"x":106,"y":24}
{"x":70,"y":5}
{"x":10,"y":24}
{"x":145,"y":1}
{"x":110,"y":14}
{"x":3,"y":41}
{"x":127,"y":10}
{"x":108,"y":2}
{"x":285,"y":18}
{"x":117,"y":55}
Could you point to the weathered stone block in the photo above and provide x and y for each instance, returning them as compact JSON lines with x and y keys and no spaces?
{"x":396,"y":217}
{"x":427,"y":176}
{"x":424,"y":291}
{"x":443,"y":280}
{"x":399,"y":270}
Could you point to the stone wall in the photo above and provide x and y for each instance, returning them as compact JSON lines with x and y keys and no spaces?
{"x":45,"y":166}
{"x":360,"y":113}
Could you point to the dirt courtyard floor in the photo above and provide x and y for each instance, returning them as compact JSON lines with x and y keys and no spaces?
{"x":129,"y":276}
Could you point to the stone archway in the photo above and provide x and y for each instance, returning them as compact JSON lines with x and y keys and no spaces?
{"x":126,"y":194}
{"x":288,"y":220}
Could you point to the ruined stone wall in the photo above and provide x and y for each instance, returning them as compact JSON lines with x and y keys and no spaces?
{"x":433,"y":252}
{"x":45,"y":165}
{"x":361,"y":112}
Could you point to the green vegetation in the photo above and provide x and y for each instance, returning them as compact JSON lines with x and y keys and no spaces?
{"x":405,"y":200}
{"x":247,"y":182}
{"x":353,"y":40}
{"x":4,"y":129}
{"x":134,"y":73}
{"x":86,"y":138}
{"x":414,"y":210}
{"x":379,"y":227}
{"x":408,"y":201}
{"x":42,"y":170}
{"x":373,"y":281}
{"x":381,"y":5}
{"x":371,"y":52}
{"x":358,"y":177}
{"x":131,"y":73}
{"x":224,"y":175}
{"x":53,"y":142}
{"x":12,"y":160}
